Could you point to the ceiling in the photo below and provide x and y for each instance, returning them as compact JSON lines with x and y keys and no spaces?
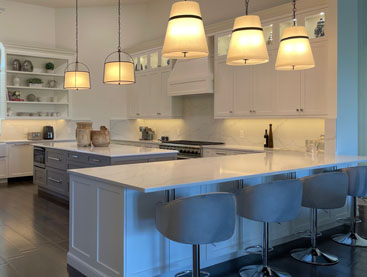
{"x":71,"y":3}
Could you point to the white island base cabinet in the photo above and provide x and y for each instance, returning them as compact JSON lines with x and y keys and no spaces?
{"x":112,"y":230}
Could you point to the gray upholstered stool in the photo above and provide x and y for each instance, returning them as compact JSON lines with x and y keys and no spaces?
{"x":357,"y":188}
{"x":201,"y":219}
{"x":322,"y":191}
{"x":278,"y":201}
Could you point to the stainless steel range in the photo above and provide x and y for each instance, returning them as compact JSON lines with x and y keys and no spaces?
{"x":188,"y":149}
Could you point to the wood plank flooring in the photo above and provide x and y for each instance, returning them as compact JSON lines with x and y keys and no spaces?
{"x":33,"y":233}
{"x":34,"y":242}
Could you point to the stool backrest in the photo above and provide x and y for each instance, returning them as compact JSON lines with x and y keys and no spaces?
{"x":325,"y":190}
{"x":357,"y":180}
{"x":201,"y":219}
{"x":278,"y":201}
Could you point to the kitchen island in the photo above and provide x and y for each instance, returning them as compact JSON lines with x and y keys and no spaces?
{"x":112,"y":220}
{"x":52,"y":160}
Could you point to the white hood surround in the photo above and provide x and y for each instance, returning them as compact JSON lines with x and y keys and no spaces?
{"x":190,"y":77}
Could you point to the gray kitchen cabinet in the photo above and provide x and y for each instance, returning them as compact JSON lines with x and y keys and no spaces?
{"x":39,"y":176}
{"x":20,"y":160}
{"x":56,"y":159}
{"x":57,"y":181}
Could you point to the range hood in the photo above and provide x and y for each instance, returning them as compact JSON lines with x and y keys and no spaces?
{"x":190,"y":77}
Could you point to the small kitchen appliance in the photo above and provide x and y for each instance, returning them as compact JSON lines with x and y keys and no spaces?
{"x":146,"y":133}
{"x":48,"y":132}
{"x":187,"y":148}
{"x":34,"y":136}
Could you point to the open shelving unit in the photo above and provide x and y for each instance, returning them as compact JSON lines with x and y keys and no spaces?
{"x":51,"y":103}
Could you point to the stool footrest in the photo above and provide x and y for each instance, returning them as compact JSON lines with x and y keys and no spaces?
{"x":186,"y":272}
{"x":348,"y":220}
{"x":307,"y":234}
{"x":256,"y":249}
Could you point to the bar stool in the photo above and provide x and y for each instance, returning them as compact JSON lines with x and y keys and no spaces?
{"x":357,"y":188}
{"x":202,"y":219}
{"x":279,"y":201}
{"x":322,"y":191}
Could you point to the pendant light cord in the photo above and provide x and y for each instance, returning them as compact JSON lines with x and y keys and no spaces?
{"x":119,"y":26}
{"x":247,"y":3}
{"x":294,"y":12}
{"x":76,"y":33}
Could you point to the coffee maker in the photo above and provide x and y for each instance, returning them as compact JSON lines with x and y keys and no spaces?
{"x":48,"y":132}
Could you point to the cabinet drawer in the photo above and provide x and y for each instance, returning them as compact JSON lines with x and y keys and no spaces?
{"x":56,"y":159}
{"x":94,"y":160}
{"x":77,"y":157}
{"x":57,"y":181}
{"x":76,"y":165}
{"x":39,"y":176}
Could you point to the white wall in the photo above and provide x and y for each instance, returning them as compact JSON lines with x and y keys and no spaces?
{"x":27,"y":24}
{"x":98,"y":38}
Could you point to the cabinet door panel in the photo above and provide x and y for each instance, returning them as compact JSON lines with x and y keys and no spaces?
{"x":224,"y":87}
{"x":20,"y":160}
{"x":288,"y":99}
{"x":264,"y":78}
{"x":154,"y":95}
{"x":242,"y":96}
{"x":144,"y":96}
{"x":314,"y":83}
{"x":133,"y":98}
{"x":165,"y":100}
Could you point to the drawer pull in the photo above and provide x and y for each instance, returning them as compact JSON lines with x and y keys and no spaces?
{"x":96,"y":161}
{"x":54,"y":180}
{"x":222,"y":154}
{"x":54,"y":159}
{"x":75,"y":156}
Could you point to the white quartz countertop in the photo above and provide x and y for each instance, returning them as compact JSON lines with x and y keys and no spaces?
{"x":151,"y":177}
{"x":113,"y":150}
{"x":28,"y":141}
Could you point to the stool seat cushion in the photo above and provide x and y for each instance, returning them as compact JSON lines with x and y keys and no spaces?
{"x":357,"y":181}
{"x":325,"y":190}
{"x":202,"y":219}
{"x":278,"y":201}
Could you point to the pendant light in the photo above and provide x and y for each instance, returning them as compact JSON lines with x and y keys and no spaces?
{"x":295,"y":51}
{"x":247,"y":46}
{"x":185,"y":36}
{"x":77,"y":75}
{"x":119,"y":66}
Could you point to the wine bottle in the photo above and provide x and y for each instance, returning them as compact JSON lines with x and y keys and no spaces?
{"x":271,"y":143}
{"x":266,"y":137}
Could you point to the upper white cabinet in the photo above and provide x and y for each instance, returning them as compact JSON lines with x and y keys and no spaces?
{"x":262,"y":91}
{"x":148,"y":97}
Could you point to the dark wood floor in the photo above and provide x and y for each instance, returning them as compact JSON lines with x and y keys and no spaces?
{"x":33,"y":233}
{"x":34,"y":242}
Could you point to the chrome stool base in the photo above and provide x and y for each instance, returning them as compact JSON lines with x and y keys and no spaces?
{"x":350,"y":239}
{"x":186,"y":272}
{"x":261,"y":271}
{"x":314,"y":256}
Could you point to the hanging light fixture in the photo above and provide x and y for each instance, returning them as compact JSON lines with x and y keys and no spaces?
{"x":185,"y":36}
{"x":119,"y":66}
{"x":247,"y":46}
{"x":295,"y":51}
{"x":77,"y":75}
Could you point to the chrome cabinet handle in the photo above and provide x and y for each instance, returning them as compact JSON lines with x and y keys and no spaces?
{"x":75,"y":156}
{"x":54,"y":159}
{"x":54,"y":180}
{"x":95,"y":160}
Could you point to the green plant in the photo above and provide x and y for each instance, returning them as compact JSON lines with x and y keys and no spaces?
{"x":50,"y":66}
{"x":35,"y":81}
